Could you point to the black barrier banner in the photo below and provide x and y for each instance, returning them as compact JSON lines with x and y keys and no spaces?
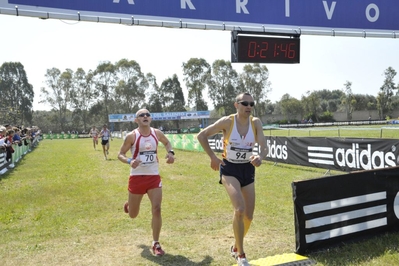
{"x":349,"y":154}
{"x":216,"y":142}
{"x":346,"y":155}
{"x":333,"y":210}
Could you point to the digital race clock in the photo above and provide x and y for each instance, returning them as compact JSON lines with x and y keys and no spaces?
{"x":262,"y":49}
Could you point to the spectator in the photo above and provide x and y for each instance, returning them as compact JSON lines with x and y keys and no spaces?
{"x":2,"y":131}
{"x":9,"y":142}
{"x":24,"y":136}
{"x":17,"y":136}
{"x":2,"y":139}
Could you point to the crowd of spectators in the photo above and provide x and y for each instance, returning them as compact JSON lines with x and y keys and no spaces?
{"x":304,"y":121}
{"x":15,"y":135}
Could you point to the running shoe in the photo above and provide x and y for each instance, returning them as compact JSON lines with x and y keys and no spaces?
{"x":126,"y":207}
{"x":242,"y":260}
{"x":233,"y":252}
{"x":157,"y":250}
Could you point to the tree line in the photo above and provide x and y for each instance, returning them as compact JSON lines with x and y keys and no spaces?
{"x":80,"y":99}
{"x":321,"y":105}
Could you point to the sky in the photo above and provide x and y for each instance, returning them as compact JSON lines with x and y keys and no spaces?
{"x":326,"y":62}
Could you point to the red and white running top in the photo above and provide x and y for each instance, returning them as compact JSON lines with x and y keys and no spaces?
{"x":145,"y":149}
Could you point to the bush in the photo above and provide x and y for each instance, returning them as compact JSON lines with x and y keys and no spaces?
{"x":327,"y":116}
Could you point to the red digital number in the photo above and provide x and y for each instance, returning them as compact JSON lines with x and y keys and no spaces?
{"x":284,"y":48}
{"x":252,"y":49}
{"x":263,"y":51}
{"x":291,"y":52}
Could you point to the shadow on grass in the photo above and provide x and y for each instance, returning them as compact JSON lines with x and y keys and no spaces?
{"x":6,"y":174}
{"x":169,"y":259}
{"x":303,"y":168}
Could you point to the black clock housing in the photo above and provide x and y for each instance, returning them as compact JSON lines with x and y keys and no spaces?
{"x":265,"y":49}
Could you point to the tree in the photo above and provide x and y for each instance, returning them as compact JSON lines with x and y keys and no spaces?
{"x":172,"y":95}
{"x":311,"y":105}
{"x":384,"y":98}
{"x":169,"y":97}
{"x":47,"y":120}
{"x":105,"y":82}
{"x":363,"y":102}
{"x":333,"y":105}
{"x":223,"y":87}
{"x":291,"y":107}
{"x":58,"y":93}
{"x":255,"y":80}
{"x":131,"y":85}
{"x":348,"y":100}
{"x":331,"y":100}
{"x":196,"y":75}
{"x":83,"y":94}
{"x":16,"y":93}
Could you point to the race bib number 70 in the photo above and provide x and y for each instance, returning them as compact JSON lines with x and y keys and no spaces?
{"x":148,"y":157}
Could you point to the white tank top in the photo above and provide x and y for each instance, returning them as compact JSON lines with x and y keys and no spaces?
{"x":237,"y":148}
{"x":94,"y":132}
{"x":105,"y":134}
{"x":145,"y":149}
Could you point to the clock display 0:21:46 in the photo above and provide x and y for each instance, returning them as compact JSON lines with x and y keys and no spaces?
{"x":268,"y":50}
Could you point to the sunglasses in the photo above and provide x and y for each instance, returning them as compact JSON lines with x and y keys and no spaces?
{"x":246,"y":103}
{"x":145,"y":114}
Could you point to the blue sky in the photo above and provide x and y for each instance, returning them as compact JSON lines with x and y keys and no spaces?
{"x":326,"y":62}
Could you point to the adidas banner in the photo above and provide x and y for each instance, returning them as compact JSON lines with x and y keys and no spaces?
{"x":334,"y":153}
{"x":337,"y":209}
{"x":346,"y":155}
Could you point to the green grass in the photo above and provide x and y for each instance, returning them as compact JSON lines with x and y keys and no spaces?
{"x":386,"y":131}
{"x":62,"y":205}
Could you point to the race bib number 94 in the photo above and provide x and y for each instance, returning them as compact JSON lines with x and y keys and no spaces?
{"x":239,"y":155}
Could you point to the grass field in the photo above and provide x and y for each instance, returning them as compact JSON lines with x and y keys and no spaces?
{"x":376,"y":131}
{"x":62,"y":205}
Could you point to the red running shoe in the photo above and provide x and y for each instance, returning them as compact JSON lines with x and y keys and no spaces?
{"x":126,"y":207}
{"x":157,"y":250}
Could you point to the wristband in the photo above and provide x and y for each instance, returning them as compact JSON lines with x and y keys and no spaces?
{"x":172,"y":152}
{"x":129,"y":160}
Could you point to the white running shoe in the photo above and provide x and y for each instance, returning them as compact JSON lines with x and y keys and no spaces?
{"x":242,"y":260}
{"x":233,"y":252}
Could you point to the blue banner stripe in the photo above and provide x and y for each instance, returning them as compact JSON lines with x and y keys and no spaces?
{"x":349,"y":14}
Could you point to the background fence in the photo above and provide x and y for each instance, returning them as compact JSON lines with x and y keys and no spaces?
{"x":19,"y":152}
